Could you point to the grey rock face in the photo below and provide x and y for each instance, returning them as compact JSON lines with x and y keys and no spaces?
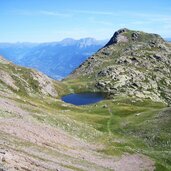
{"x":118,"y":37}
{"x":140,"y":67}
{"x":134,"y":36}
{"x":2,"y":168}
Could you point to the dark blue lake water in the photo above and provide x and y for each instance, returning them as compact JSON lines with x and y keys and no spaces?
{"x":83,"y":98}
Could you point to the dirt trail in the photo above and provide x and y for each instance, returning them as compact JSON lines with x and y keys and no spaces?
{"x":28,"y":145}
{"x":109,"y":122}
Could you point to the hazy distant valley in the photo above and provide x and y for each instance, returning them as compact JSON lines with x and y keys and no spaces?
{"x":55,"y":59}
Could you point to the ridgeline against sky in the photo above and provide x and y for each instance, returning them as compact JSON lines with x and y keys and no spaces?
{"x":44,"y":20}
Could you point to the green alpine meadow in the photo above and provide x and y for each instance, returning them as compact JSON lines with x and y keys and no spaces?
{"x":85,"y":85}
{"x":129,"y":130}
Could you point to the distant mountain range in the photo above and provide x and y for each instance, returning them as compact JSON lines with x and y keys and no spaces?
{"x":56,"y":59}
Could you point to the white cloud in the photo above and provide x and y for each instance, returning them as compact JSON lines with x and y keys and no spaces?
{"x":92,"y":12}
{"x":54,"y":13}
{"x":104,"y":23}
{"x":40,"y":12}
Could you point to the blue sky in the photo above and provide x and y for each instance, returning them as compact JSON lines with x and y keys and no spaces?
{"x":53,"y":20}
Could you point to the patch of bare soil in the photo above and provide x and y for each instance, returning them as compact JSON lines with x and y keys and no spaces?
{"x":28,"y":145}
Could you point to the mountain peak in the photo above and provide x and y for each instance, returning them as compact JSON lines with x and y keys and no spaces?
{"x":68,"y":41}
{"x":133,"y":63}
{"x":125,"y":35}
{"x":84,"y":42}
{"x":88,"y":41}
{"x":118,"y":37}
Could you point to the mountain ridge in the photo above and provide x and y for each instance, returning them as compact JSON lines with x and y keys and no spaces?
{"x":38,"y":131}
{"x":55,"y":59}
{"x":25,"y":81}
{"x":133,"y":62}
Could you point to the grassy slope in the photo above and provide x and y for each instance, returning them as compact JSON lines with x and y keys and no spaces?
{"x":125,"y":125}
{"x":129,"y":125}
{"x":147,"y":133}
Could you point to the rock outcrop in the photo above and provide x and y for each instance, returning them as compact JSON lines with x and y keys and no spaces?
{"x":118,"y":37}
{"x":132,"y":63}
{"x":26,"y":81}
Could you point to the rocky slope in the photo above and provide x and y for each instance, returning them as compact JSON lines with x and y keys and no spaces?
{"x":38,"y":132}
{"x":25,"y":81}
{"x":133,"y":64}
